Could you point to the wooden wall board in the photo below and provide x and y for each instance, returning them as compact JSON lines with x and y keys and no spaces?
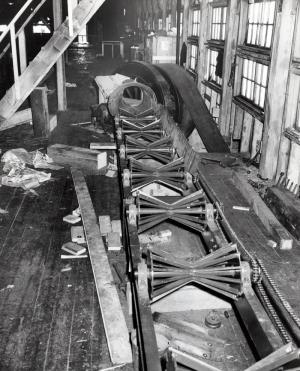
{"x":289,"y":119}
{"x":277,"y":87}
{"x":293,"y":170}
{"x":238,"y":123}
{"x":246,"y":134}
{"x":256,"y":138}
{"x":113,"y":316}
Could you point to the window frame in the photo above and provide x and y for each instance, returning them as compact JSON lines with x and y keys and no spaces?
{"x":255,"y":53}
{"x":223,"y":24}
{"x":260,"y":25}
{"x":193,"y":40}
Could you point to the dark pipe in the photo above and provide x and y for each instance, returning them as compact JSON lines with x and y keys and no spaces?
{"x":178,"y":32}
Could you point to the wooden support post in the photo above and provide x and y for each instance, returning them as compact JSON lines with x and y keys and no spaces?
{"x":22,"y":50}
{"x":185,"y":21}
{"x":178,"y":12}
{"x":276,"y":93}
{"x":60,"y":64}
{"x":228,"y":65}
{"x":202,"y":40}
{"x":40,"y":112}
{"x":173,"y":13}
{"x":164,"y":15}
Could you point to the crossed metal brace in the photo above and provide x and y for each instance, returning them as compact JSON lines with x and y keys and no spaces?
{"x":143,"y":129}
{"x":219,"y":271}
{"x":160,"y":150}
{"x":150,"y":211}
{"x":139,"y":175}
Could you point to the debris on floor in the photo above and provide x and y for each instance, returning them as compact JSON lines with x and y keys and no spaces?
{"x":159,"y":237}
{"x":67,"y":268}
{"x":71,"y":85}
{"x":104,"y":225}
{"x":72,"y":219}
{"x":73,"y":248}
{"x":77,"y":234}
{"x":114,"y":241}
{"x":18,"y":165}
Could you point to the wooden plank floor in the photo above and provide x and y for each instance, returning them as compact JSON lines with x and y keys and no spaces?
{"x":50,"y":319}
{"x":283,"y":266}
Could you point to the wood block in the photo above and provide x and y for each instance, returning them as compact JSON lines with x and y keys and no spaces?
{"x":102,"y":160}
{"x":77,"y":234}
{"x":114,"y":241}
{"x":116,"y":226}
{"x":104,"y":224}
{"x":73,"y":248}
{"x":103,"y":146}
{"x":78,"y":157}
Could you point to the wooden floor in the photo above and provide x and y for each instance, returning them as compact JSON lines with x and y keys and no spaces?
{"x":49,"y":316}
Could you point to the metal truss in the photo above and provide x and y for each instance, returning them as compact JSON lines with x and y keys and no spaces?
{"x":150,"y":211}
{"x":160,"y":150}
{"x":149,"y":130}
{"x":139,"y":175}
{"x":219,"y":271}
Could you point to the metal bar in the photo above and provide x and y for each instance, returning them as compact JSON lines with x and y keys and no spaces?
{"x":190,"y":361}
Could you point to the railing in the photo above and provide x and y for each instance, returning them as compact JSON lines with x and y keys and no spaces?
{"x":11,"y":29}
{"x":112,"y":44}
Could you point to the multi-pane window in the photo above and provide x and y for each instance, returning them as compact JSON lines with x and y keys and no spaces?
{"x":168,"y":23}
{"x":212,"y":62}
{"x":261,"y":16}
{"x":193,"y":57}
{"x":218,"y":23}
{"x":196,"y":22}
{"x":160,"y":24}
{"x":254,"y":82}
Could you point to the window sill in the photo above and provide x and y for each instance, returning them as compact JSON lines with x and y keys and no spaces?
{"x":193,"y":74}
{"x":212,"y":85}
{"x":293,"y":135}
{"x":295,"y":67}
{"x":261,"y":54}
{"x":250,"y":107}
{"x":193,"y":40}
{"x":215,"y":44}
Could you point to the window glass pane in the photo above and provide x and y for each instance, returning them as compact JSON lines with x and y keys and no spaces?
{"x":218,"y":23}
{"x":260,"y":24}
{"x":196,"y":22}
{"x":254,"y":82}
{"x":212,"y":60}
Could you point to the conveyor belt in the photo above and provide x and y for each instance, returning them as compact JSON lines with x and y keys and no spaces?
{"x":175,"y":89}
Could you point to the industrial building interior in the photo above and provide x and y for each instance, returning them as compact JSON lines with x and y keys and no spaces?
{"x":149,"y":193}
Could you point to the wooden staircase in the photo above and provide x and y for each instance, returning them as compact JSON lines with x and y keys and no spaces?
{"x":46,"y":58}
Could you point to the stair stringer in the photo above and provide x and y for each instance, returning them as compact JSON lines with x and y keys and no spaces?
{"x":47,"y":57}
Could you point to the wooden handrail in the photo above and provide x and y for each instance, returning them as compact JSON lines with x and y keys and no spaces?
{"x":40,"y":4}
{"x":16,"y":17}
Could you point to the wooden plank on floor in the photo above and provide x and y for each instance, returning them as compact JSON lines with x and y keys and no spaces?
{"x":113,"y":317}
